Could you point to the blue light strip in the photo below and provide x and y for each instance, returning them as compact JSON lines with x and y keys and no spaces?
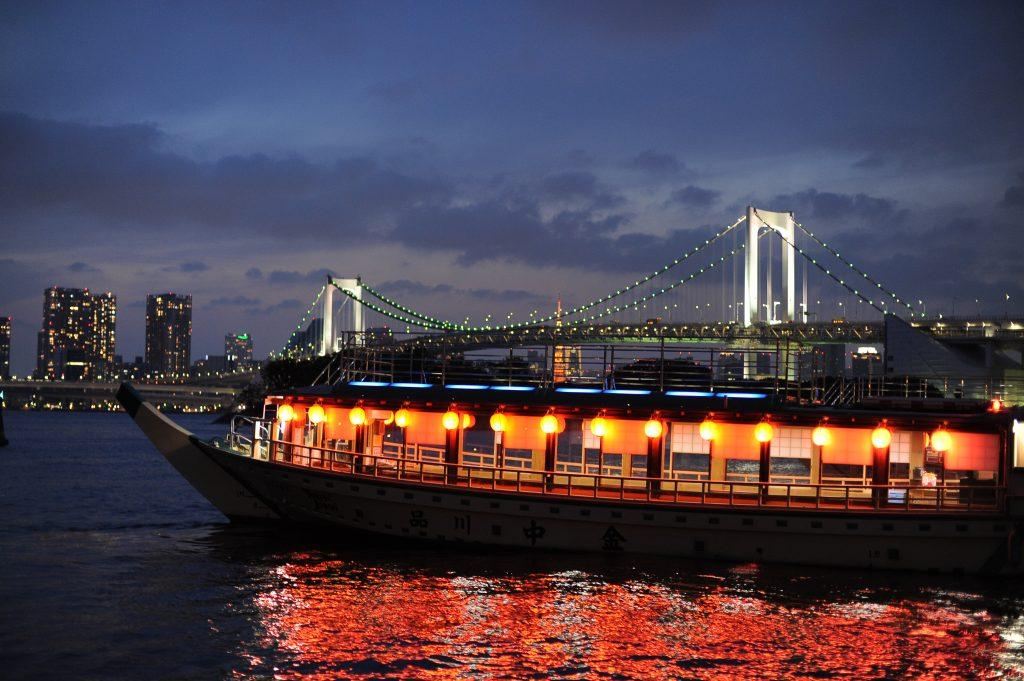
{"x":689,"y":393}
{"x":465,"y":386}
{"x":627,"y":392}
{"x":513,"y":388}
{"x":412,"y":385}
{"x":743,"y":396}
{"x":577,"y":390}
{"x":368,"y":384}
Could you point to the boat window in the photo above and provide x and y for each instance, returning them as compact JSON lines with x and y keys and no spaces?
{"x":689,"y":455}
{"x":569,"y":447}
{"x":638,"y":466}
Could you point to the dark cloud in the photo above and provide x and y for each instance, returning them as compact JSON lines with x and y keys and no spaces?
{"x":285,"y":305}
{"x":811,"y":204}
{"x":1014,"y":196}
{"x":233,"y":301}
{"x":294,"y":277}
{"x":83,"y":267}
{"x":193,"y":266}
{"x":657,"y":163}
{"x":870,"y":162}
{"x":580,"y":158}
{"x":405,"y":287}
{"x":395,"y":91}
{"x":254,"y":273}
{"x":696,"y":197}
{"x":122,"y":177}
{"x":650,"y":21}
{"x":569,"y":185}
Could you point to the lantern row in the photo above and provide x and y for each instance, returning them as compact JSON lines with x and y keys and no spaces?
{"x":881,"y":437}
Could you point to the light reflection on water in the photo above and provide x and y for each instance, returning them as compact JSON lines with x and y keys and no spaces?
{"x":111,"y":567}
{"x":429,"y":613}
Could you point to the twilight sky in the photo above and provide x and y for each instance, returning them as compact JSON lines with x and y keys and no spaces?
{"x":476,"y":157}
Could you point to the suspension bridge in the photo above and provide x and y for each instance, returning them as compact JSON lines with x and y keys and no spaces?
{"x":762,"y":282}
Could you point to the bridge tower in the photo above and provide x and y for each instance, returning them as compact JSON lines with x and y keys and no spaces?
{"x":328,"y":340}
{"x":785,"y":225}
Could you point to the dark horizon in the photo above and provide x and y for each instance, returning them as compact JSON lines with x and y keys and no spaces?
{"x":486,"y":158}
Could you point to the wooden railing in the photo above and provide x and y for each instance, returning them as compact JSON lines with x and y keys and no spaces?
{"x":745,"y":494}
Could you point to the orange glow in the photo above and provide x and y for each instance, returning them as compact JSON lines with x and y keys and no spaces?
{"x":599,"y":427}
{"x":941,"y":440}
{"x":316,"y":414}
{"x":357,"y":416}
{"x":996,"y":405}
{"x":390,"y":419}
{"x":285,"y":413}
{"x":763,"y":432}
{"x":407,"y":618}
{"x":653,"y":428}
{"x":881,"y":437}
{"x":821,"y":436}
{"x":450,"y":420}
{"x":708,"y":430}
{"x":499,"y":422}
{"x":402,"y":418}
{"x":550,"y":423}
{"x":468,"y":421}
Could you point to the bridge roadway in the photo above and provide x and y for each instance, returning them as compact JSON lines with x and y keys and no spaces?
{"x":1004,"y":333}
{"x":100,"y":395}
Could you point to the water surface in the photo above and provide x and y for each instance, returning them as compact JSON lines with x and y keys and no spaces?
{"x":112,"y":567}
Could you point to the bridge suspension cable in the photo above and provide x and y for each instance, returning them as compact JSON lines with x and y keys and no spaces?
{"x":428,"y":321}
{"x":302,"y":323}
{"x":856,"y":269}
{"x":828,"y":272}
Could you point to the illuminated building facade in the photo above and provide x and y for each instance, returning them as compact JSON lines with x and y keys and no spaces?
{"x":78,"y":335}
{"x":237,"y":350}
{"x":5,"y":348}
{"x":169,"y":333}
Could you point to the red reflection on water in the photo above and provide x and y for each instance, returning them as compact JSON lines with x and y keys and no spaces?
{"x":333,"y":619}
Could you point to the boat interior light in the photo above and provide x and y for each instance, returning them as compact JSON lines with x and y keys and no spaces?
{"x":369,"y":384}
{"x":689,"y":393}
{"x":622,"y":391}
{"x":513,"y":388}
{"x":465,"y":386}
{"x":578,"y":390}
{"x":412,"y":385}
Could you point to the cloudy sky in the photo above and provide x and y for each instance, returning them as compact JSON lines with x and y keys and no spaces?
{"x":475,"y":157}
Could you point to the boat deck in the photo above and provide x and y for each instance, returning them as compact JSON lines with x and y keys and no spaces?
{"x":891,"y":499}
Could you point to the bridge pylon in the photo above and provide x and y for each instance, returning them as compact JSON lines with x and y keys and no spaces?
{"x":785,"y":225}
{"x":328,"y":338}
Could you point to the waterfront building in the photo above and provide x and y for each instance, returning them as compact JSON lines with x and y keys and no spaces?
{"x":5,"y":348}
{"x":78,"y":335}
{"x":237,"y":350}
{"x":169,"y":333}
{"x":215,"y":364}
{"x":304,"y":342}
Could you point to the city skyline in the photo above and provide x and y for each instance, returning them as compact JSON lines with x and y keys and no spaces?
{"x":473,"y":161}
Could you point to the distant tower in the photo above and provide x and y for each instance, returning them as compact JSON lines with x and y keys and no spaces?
{"x":78,"y":335}
{"x":169,"y":333}
{"x":568,"y":361}
{"x":5,"y":348}
{"x":237,"y":350}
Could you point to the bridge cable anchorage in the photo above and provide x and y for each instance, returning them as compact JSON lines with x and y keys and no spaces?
{"x":828,"y":272}
{"x":285,"y":351}
{"x":853,"y":267}
{"x":443,"y":324}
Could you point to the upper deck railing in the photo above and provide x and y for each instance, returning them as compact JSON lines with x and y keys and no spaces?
{"x":411,"y":465}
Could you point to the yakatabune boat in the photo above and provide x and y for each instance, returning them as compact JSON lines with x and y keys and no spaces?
{"x":925,"y":485}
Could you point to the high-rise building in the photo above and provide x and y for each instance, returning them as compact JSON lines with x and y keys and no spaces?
{"x":169,"y":333}
{"x":78,"y":335}
{"x":237,"y":350}
{"x":5,"y":348}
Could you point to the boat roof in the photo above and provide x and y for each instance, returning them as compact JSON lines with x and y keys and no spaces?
{"x":735,"y":405}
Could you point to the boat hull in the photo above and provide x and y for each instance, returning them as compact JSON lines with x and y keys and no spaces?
{"x":974,"y":544}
